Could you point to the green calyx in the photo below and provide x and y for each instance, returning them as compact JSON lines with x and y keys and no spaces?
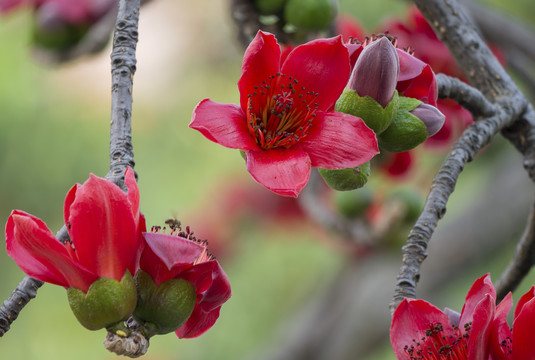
{"x":406,"y":131}
{"x":310,"y":14}
{"x":353,"y":204}
{"x":347,"y":179}
{"x":270,"y":7}
{"x":106,"y":303}
{"x":370,"y":111}
{"x":63,"y":37}
{"x":164,"y":308}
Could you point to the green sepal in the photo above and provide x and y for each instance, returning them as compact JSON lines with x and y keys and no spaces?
{"x":411,"y":199}
{"x":408,"y":103}
{"x":404,"y":133}
{"x":164,"y":308}
{"x":106,"y":303}
{"x":242,"y":154}
{"x":353,"y":204}
{"x":310,"y":15}
{"x":270,"y":7}
{"x":370,"y":111}
{"x":347,"y":179}
{"x":64,"y":37}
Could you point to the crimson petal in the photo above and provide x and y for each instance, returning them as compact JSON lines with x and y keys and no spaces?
{"x":166,"y":255}
{"x":40,"y":255}
{"x":321,"y":66}
{"x":198,"y":323}
{"x":283,"y":171}
{"x":224,"y":124}
{"x":523,"y":332}
{"x":412,"y":318}
{"x":339,"y":141}
{"x":479,"y":289}
{"x":101,"y":226}
{"x":480,"y":329}
{"x":261,"y":59}
{"x":219,"y":291}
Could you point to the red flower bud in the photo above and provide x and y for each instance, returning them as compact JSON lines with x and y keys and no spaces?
{"x":432,"y":118}
{"x":376,"y":71}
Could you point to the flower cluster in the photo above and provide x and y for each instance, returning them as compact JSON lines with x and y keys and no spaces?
{"x":285,"y":122}
{"x":176,"y":287}
{"x":421,"y":331}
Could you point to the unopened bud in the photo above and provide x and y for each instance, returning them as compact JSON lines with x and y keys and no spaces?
{"x":432,"y":118}
{"x":376,"y":71}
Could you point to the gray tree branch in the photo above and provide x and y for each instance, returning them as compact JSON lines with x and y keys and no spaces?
{"x":514,"y":117}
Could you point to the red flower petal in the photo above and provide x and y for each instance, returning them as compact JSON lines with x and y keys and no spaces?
{"x":101,"y":227}
{"x":523,"y":300}
{"x":133,"y":192}
{"x":500,"y":333}
{"x":40,"y":255}
{"x":200,"y":276}
{"x":283,"y":171}
{"x":423,"y":87}
{"x":219,"y":291}
{"x":523,"y":332}
{"x":198,"y":323}
{"x":339,"y":141}
{"x":166,"y":255}
{"x":480,"y":330}
{"x":321,"y":66}
{"x":261,"y":59}
{"x":224,"y":124}
{"x":411,"y":320}
{"x":480,"y":288}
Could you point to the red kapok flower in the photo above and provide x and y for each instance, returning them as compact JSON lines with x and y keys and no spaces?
{"x":103,"y":224}
{"x":421,"y":331}
{"x":179,"y":255}
{"x":285,"y":123}
{"x":515,"y":344}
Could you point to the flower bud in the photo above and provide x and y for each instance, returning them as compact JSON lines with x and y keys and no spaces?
{"x":376,"y":72}
{"x":166,"y":307}
{"x":106,"y":303}
{"x":432,"y":118}
{"x":346,"y":179}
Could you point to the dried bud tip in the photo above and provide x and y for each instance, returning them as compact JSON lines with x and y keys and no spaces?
{"x":431,"y":117}
{"x":376,"y":71}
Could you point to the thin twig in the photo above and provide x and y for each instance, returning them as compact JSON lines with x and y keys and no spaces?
{"x":465,"y":95}
{"x":521,"y":262}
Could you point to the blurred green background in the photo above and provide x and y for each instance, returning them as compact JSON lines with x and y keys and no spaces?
{"x":54,"y":131}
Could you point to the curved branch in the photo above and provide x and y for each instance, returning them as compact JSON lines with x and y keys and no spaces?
{"x":522,"y":261}
{"x":471,"y":141}
{"x":465,"y":95}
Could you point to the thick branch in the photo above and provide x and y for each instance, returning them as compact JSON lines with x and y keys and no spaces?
{"x":522,"y":261}
{"x":123,"y":62}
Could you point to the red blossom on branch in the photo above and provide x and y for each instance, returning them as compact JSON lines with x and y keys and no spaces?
{"x":104,"y":226}
{"x":173,"y":256}
{"x":285,"y":123}
{"x":421,"y":331}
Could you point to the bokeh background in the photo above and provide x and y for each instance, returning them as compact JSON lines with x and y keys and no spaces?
{"x":54,"y":131}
